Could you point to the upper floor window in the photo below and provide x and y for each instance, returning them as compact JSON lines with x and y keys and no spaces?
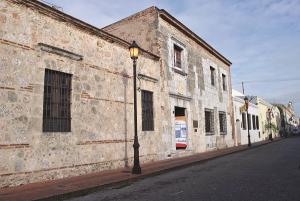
{"x":212,"y":76}
{"x":147,"y":111}
{"x":57,"y":102}
{"x":224,"y":82}
{"x":177,"y":56}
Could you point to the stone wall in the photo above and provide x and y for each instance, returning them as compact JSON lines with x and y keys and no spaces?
{"x":188,"y":87}
{"x":141,"y":27}
{"x":194,"y":91}
{"x":101,"y":135}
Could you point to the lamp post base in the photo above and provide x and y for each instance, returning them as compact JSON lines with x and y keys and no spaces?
{"x":136,"y":170}
{"x":249,"y":141}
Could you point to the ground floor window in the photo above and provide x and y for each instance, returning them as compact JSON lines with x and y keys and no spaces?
{"x":147,"y":111}
{"x":57,"y":102}
{"x":249,"y":121}
{"x":209,"y":122}
{"x":223,"y":123}
{"x":244,"y":124}
{"x":253,"y":122}
{"x":257,"y":123}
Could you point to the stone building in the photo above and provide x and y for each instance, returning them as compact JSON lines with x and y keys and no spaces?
{"x":195,"y":83}
{"x":242,"y":122}
{"x":66,"y":93}
{"x":66,"y":96}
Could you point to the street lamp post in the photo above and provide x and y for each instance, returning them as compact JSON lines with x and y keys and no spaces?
{"x":247,"y":106}
{"x":134,"y":53}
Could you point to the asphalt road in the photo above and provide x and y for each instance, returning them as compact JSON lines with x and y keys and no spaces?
{"x":270,"y":172}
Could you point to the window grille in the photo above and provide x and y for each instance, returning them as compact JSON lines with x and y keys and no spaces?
{"x":57,"y":102}
{"x":223,"y":123}
{"x":209,"y":121}
{"x":147,"y":111}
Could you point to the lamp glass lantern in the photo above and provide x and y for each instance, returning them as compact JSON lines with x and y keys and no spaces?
{"x":134,"y":50}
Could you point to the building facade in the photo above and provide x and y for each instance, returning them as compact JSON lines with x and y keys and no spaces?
{"x":196,"y":82}
{"x":268,"y":122}
{"x":243,"y":122}
{"x":288,"y":118}
{"x":66,"y":87}
{"x":66,"y":97}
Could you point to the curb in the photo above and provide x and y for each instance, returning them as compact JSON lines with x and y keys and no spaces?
{"x":126,"y":182}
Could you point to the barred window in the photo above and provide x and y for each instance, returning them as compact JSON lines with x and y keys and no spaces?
{"x":147,"y":111}
{"x":212,"y":76}
{"x":249,"y":121}
{"x":223,"y":123}
{"x":244,"y":125}
{"x":57,"y":101}
{"x":209,"y":121}
{"x":177,"y":56}
{"x":253,"y":122}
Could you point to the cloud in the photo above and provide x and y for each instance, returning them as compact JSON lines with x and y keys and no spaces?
{"x":260,"y":37}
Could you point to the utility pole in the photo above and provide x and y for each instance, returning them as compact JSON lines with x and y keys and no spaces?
{"x":243,"y":88}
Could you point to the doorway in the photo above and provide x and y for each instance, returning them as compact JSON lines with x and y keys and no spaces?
{"x":238,"y":132}
{"x":180,"y":128}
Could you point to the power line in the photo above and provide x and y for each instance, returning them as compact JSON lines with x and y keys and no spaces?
{"x":269,"y":80}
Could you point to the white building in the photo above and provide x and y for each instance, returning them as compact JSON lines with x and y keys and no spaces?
{"x":242,"y":124}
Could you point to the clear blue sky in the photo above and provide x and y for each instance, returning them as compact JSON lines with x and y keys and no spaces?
{"x":260,"y":37}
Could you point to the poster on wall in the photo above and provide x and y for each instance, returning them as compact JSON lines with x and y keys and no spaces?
{"x":180,"y":132}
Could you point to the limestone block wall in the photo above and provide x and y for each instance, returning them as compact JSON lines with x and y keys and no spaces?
{"x":188,"y":87}
{"x":194,"y":90}
{"x":141,"y":27}
{"x":101,"y":134}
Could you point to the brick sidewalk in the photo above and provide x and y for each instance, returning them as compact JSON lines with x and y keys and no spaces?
{"x":80,"y":185}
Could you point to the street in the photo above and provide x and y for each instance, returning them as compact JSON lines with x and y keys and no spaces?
{"x":270,"y":172}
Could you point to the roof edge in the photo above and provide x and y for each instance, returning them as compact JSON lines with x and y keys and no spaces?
{"x":57,"y":14}
{"x":168,"y":17}
{"x":131,"y":16}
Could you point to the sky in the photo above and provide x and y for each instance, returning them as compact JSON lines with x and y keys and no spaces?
{"x":260,"y":37}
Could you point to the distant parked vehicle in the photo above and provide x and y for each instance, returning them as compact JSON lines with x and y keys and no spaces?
{"x":296,"y":130}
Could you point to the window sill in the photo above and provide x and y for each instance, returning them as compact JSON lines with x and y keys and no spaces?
{"x":148,"y":131}
{"x":209,"y":134}
{"x":179,"y":71}
{"x":223,"y":133}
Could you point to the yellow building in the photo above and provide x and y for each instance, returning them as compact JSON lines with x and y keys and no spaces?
{"x":266,"y":112}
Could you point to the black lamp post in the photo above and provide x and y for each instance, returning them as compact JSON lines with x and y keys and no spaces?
{"x":134,"y":53}
{"x":247,"y":106}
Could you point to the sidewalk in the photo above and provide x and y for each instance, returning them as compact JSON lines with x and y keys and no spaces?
{"x":80,"y":185}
